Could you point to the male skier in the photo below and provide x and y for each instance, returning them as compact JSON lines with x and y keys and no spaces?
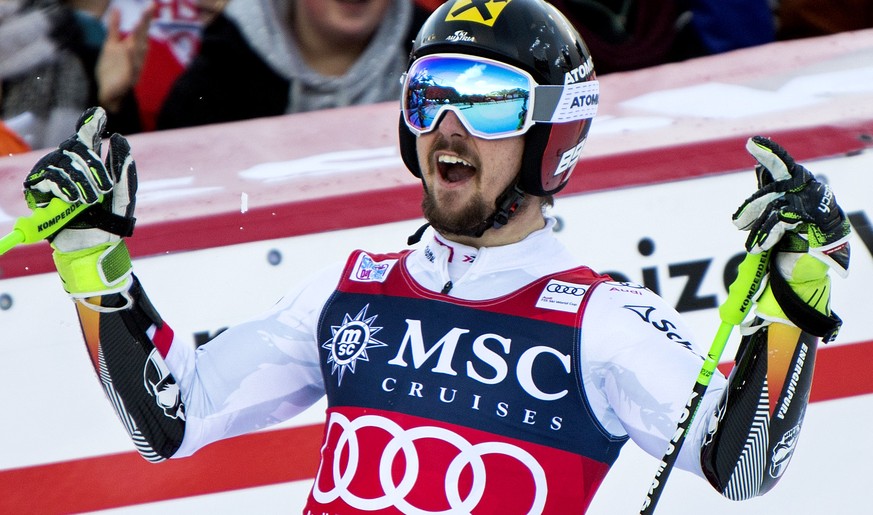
{"x":486,"y":370}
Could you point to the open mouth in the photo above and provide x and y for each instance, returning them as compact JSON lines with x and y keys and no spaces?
{"x":453,"y":169}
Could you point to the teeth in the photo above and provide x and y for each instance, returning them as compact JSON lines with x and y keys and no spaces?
{"x":453,"y":160}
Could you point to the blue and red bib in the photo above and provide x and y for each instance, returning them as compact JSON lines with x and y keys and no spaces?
{"x":437,"y":404}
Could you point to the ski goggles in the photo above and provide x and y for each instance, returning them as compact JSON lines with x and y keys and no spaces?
{"x":492,"y":99}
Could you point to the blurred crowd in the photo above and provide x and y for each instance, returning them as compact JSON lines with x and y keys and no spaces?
{"x":161,"y":64}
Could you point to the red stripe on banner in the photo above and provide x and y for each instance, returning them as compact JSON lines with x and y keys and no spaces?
{"x":840,"y":371}
{"x":847,"y":370}
{"x":272,"y":457}
{"x":110,"y":481}
{"x":373,"y":207}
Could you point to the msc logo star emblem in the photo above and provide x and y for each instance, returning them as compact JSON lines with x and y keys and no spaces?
{"x":477,"y":11}
{"x":350,"y":342}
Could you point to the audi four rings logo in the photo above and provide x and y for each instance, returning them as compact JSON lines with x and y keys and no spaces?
{"x":566,"y":289}
{"x":346,"y":457}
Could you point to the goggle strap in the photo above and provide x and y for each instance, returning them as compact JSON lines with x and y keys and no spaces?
{"x":571,"y":102}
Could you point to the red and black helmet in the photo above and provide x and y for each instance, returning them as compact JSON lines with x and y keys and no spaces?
{"x":531,"y":35}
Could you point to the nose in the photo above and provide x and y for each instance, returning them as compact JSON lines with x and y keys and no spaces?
{"x":450,"y":125}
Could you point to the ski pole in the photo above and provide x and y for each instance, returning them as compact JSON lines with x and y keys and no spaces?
{"x":42,"y":223}
{"x":732,"y":312}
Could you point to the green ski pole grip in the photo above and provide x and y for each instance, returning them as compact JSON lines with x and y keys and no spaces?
{"x":741,"y":293}
{"x":740,"y":299}
{"x":42,"y":223}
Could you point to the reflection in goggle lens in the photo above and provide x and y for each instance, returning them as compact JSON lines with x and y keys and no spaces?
{"x":490,"y":98}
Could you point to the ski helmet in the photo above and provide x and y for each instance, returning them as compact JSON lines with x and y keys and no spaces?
{"x":533,"y":36}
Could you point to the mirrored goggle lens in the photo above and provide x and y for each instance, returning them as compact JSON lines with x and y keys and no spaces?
{"x":492,"y":99}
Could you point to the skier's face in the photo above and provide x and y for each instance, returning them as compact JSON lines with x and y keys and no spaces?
{"x":464,"y":175}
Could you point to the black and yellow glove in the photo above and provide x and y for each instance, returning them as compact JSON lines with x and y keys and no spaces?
{"x":90,"y":253}
{"x":799,"y":218}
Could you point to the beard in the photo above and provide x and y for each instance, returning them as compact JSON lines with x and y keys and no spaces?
{"x":472,"y":218}
{"x":466,"y":222}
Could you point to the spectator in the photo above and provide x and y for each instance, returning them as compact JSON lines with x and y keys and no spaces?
{"x":173,"y":41}
{"x":631,"y":34}
{"x":56,"y":59}
{"x":119,"y":67}
{"x":724,"y":26}
{"x":44,"y":82}
{"x":271,"y":57}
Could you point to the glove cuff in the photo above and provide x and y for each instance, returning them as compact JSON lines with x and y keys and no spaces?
{"x":98,"y":270}
{"x":803,"y":304}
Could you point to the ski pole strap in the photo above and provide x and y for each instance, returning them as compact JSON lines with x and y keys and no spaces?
{"x":109,"y":222}
{"x":801,"y":314}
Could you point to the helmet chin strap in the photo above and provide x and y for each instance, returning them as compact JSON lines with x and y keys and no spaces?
{"x":507,"y":205}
